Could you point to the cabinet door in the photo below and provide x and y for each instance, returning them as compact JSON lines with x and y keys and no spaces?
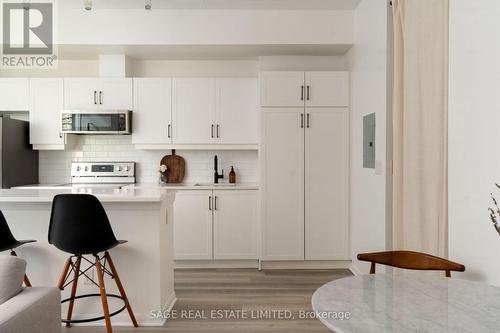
{"x":282,"y":89}
{"x":237,"y":110}
{"x":283,"y":184}
{"x":193,"y":111}
{"x":116,"y":94}
{"x":152,"y":111}
{"x":46,"y":103}
{"x":81,"y":93}
{"x":235,"y":224}
{"x":193,"y":225}
{"x":14,"y":94}
{"x":325,"y":89}
{"x":326,"y":183}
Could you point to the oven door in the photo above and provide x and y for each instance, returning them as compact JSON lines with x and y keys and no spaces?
{"x":103,"y":122}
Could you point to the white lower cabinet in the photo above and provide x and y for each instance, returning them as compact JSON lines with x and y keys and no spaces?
{"x":218,"y":224}
{"x":305,"y":174}
{"x":326,"y":184}
{"x":235,"y":224}
{"x":193,"y":225}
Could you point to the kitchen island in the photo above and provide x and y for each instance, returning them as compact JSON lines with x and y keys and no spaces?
{"x":143,"y":217}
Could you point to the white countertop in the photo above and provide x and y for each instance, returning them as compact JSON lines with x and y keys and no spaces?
{"x":104,"y":195}
{"x":399,"y":304}
{"x":196,"y":186}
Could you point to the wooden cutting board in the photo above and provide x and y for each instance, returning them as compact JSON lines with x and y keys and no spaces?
{"x":176,"y":167}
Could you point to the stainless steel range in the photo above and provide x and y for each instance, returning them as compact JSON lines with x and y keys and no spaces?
{"x":106,"y":173}
{"x":94,"y":177}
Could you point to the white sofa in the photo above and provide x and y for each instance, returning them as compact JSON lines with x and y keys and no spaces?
{"x":26,"y":310}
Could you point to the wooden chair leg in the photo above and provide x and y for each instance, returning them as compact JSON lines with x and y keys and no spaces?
{"x":73,"y":288}
{"x":60,"y":284}
{"x":372,"y":268}
{"x":27,"y":281}
{"x":120,"y":288}
{"x":104,"y":299}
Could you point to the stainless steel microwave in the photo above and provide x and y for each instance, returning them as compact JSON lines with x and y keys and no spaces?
{"x":96,"y":122}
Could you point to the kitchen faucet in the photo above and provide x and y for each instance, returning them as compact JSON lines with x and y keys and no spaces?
{"x":216,"y":173}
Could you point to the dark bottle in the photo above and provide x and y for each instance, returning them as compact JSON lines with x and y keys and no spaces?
{"x":232,"y":176}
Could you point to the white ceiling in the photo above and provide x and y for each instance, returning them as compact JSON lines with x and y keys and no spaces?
{"x":218,"y":4}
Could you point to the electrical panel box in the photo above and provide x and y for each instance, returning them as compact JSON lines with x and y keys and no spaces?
{"x":369,"y":141}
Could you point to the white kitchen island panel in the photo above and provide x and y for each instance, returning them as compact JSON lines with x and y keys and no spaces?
{"x":145,"y":263}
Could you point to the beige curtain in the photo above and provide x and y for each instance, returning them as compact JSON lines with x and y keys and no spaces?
{"x":420,"y":89}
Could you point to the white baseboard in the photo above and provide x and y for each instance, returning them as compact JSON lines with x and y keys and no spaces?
{"x":355,"y":270}
{"x":191,"y":264}
{"x":306,"y":264}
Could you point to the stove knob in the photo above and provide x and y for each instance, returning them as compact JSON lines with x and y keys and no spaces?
{"x":86,"y":168}
{"x":118,"y":168}
{"x":78,"y":168}
{"x":127,"y":168}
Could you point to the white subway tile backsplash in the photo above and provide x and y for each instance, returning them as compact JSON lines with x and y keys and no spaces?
{"x":55,"y":166}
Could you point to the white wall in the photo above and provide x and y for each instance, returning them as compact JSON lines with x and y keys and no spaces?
{"x":367,"y":61}
{"x":474,"y":136}
{"x":204,"y":27}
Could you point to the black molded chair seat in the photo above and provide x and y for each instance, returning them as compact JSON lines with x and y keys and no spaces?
{"x":15,"y":244}
{"x":7,"y":240}
{"x":79,"y":225}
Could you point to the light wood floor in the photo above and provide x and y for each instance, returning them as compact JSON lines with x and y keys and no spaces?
{"x":240,"y":289}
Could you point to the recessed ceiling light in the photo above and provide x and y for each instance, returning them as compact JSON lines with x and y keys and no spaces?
{"x":147,"y":5}
{"x":87,"y":4}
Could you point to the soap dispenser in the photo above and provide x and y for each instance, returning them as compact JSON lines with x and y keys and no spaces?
{"x":232,"y":176}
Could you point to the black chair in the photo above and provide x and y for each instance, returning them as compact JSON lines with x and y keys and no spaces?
{"x":8,"y":242}
{"x":79,"y":226}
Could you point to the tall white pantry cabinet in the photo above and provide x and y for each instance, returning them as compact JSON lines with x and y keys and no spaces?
{"x":305,"y":165}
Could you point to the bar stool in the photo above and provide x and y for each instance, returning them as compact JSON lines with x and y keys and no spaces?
{"x":79,"y":226}
{"x":8,"y":242}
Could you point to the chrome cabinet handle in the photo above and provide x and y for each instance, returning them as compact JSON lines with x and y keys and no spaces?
{"x":308,"y":94}
{"x":301,"y":120}
{"x":212,"y":131}
{"x":218,"y":126}
{"x":95,"y":97}
{"x":210,"y":203}
{"x":301,"y":93}
{"x":100,"y":97}
{"x":168,"y":130}
{"x":215,"y":203}
{"x":307,"y":121}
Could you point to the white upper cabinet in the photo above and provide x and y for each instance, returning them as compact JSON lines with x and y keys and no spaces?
{"x":46,"y":103}
{"x":81,"y":94}
{"x":312,"y":89}
{"x":152,"y":118}
{"x":237,"y":111}
{"x":235,"y":224}
{"x":116,"y":94}
{"x":325,"y":89}
{"x":193,"y":111}
{"x":98,"y":94}
{"x":14,"y":94}
{"x":286,"y":89}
